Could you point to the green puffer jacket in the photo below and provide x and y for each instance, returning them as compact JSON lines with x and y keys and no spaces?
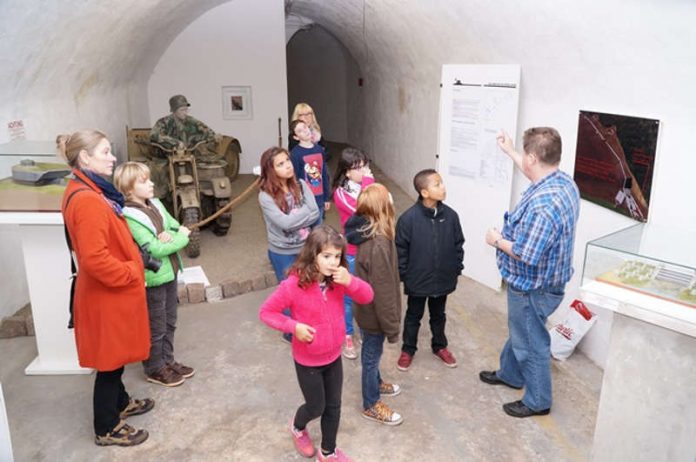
{"x":144,"y":232}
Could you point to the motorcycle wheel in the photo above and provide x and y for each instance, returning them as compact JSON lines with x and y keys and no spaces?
{"x":192,"y":216}
{"x":222,"y":224}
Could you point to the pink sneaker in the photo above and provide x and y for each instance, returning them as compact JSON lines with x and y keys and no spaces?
{"x":337,"y":456}
{"x":349,"y":349}
{"x":303,"y":443}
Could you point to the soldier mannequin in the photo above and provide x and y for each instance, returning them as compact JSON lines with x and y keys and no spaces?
{"x":179,"y":129}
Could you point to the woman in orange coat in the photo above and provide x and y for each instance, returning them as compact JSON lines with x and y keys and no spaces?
{"x":109,"y":306}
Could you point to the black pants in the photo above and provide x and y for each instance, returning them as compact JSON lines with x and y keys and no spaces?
{"x":321,"y":387}
{"x":414,"y":314}
{"x":110,"y":398}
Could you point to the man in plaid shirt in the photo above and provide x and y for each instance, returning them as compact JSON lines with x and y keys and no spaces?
{"x":534,"y":256}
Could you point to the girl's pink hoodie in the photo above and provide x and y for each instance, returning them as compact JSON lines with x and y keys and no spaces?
{"x":323,"y":312}
{"x":346,"y":205}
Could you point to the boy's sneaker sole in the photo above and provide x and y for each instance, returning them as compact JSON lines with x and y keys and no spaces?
{"x":166,"y":384}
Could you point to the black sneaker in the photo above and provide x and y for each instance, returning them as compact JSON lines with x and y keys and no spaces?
{"x":491,"y":378}
{"x":122,"y":435}
{"x":519,"y":409}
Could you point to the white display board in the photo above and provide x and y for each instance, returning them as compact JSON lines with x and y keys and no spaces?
{"x":476,"y":102}
{"x":5,"y":441}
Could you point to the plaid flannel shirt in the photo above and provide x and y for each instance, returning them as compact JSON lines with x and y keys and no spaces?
{"x":542,"y":229}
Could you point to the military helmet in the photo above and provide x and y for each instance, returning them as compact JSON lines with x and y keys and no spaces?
{"x":177,"y":101}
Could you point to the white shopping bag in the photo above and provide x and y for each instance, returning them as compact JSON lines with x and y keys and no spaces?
{"x":567,"y":334}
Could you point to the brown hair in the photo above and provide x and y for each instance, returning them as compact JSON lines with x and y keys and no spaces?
{"x":294,"y":124}
{"x":272,"y":185}
{"x":304,"y":107}
{"x":70,"y":146}
{"x":305,"y":266}
{"x":127,"y":174}
{"x":545,"y":142}
{"x":374,"y":203}
{"x":422,"y":180}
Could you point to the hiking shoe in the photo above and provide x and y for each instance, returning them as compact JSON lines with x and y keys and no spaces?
{"x":381,"y":413}
{"x":349,"y":349}
{"x":303,"y":443}
{"x":404,"y":362}
{"x":184,"y":371}
{"x":167,"y":377}
{"x":137,"y":407}
{"x":446,"y":357}
{"x":389,"y":389}
{"x":336,"y":456}
{"x":122,"y":435}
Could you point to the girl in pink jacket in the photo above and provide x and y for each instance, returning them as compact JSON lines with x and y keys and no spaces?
{"x":352,"y":175}
{"x":314,"y":291}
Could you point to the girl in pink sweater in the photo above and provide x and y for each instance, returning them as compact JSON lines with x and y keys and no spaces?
{"x":314,"y":291}
{"x":352,"y":175}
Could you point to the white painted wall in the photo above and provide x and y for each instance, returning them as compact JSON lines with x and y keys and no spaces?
{"x":633,"y":58}
{"x":238,"y":43}
{"x":319,"y":68}
{"x":72,"y":63}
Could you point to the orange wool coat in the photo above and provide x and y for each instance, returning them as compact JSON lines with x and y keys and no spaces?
{"x":109,"y":307}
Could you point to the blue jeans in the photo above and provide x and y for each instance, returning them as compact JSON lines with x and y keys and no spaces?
{"x":371,"y":354}
{"x":280,"y":263}
{"x":526,"y":356}
{"x":347,"y":301}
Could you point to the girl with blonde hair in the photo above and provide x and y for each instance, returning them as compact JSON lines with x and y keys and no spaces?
{"x":305,"y":113}
{"x":372,"y":229}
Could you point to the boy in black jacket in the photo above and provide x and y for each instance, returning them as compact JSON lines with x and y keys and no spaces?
{"x":429,"y":243}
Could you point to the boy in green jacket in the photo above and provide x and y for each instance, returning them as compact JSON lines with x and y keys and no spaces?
{"x":160,"y":236}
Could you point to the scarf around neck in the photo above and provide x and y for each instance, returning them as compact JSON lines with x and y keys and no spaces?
{"x":106,"y":187}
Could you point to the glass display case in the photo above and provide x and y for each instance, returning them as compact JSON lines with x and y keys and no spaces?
{"x":40,"y":161}
{"x":648,"y":259}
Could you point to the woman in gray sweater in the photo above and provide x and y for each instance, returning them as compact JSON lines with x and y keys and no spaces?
{"x":288,"y":207}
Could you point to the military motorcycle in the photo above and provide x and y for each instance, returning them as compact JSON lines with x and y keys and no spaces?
{"x":198,"y":189}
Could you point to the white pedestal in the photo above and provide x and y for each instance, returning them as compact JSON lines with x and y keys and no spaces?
{"x":647,"y":411}
{"x":47,"y":264}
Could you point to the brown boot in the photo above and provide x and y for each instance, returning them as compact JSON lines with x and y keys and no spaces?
{"x":167,"y":377}
{"x":184,"y":371}
{"x":122,"y":435}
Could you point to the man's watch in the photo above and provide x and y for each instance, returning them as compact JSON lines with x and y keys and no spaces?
{"x":495,"y":244}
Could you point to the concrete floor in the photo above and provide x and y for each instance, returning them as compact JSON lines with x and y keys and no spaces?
{"x":237,"y":406}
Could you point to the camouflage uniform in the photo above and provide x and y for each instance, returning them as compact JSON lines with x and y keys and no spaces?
{"x":169,"y":130}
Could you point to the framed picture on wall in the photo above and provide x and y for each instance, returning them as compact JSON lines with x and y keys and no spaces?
{"x":236,"y":102}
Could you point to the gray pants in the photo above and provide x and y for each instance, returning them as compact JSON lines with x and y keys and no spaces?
{"x":161,"y":306}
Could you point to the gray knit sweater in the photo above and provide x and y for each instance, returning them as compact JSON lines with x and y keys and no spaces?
{"x":288,"y":232}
